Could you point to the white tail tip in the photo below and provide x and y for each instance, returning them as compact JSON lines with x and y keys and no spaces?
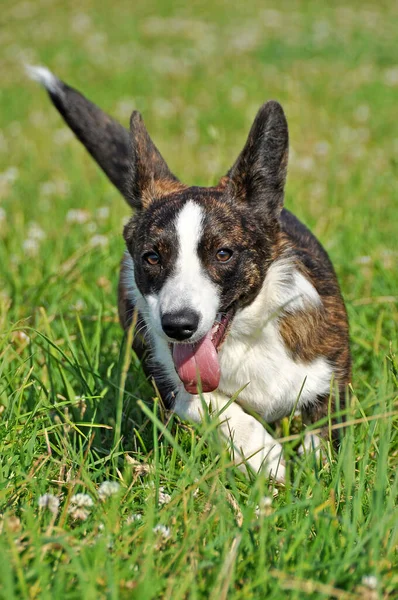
{"x":44,"y":76}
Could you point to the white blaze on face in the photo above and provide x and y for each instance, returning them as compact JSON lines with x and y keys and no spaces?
{"x":189,"y":287}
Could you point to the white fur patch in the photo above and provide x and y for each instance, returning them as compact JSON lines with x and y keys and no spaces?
{"x":159,"y":348}
{"x":249,"y":441}
{"x":286,"y":288}
{"x":254,"y":353}
{"x":44,"y":76}
{"x":189,"y":286}
{"x":306,"y":293}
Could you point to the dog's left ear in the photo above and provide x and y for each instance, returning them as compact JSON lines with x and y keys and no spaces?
{"x":150,"y":177}
{"x":258,"y":175}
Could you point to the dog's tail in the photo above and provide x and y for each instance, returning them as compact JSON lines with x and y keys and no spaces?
{"x":107,"y":141}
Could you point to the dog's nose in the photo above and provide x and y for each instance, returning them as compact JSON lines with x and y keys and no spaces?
{"x":180,"y":325}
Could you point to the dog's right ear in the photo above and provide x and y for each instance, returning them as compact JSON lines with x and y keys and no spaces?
{"x":132,"y":162}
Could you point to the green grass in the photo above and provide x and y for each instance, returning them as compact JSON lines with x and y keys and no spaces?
{"x":72,"y":415}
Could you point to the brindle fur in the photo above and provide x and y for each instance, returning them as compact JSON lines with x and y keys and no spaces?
{"x":244,"y":210}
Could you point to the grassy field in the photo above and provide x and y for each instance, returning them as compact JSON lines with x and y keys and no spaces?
{"x":164,"y":514}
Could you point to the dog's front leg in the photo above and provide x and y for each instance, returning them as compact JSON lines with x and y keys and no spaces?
{"x":248,"y":439}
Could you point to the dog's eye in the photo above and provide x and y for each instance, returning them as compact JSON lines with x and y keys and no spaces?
{"x":224,"y":255}
{"x":152,"y":258}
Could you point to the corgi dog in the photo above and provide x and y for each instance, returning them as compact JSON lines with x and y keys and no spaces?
{"x":231,"y":292}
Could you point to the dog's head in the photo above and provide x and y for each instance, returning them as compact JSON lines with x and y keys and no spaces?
{"x":201,"y":254}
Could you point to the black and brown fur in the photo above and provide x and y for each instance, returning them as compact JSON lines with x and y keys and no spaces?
{"x":244,"y":210}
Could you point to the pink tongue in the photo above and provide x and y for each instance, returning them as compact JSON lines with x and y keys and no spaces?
{"x":193,"y":359}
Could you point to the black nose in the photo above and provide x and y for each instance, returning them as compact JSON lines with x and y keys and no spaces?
{"x":180,"y":325}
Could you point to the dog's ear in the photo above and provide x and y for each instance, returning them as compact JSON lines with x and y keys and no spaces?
{"x":150,"y":178}
{"x":258,"y":175}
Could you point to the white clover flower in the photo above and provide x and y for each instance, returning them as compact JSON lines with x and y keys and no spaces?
{"x":138,"y":467}
{"x":96,"y":42}
{"x":81,"y":23}
{"x":272,"y":18}
{"x":321,"y":30}
{"x":38,"y":118}
{"x":370,"y":581}
{"x":12,"y":174}
{"x":306,"y":163}
{"x":107,"y":489}
{"x":62,"y":187}
{"x":164,"y":498}
{"x":99,"y":241}
{"x":35,"y":232}
{"x":363,"y":260}
{"x":163,"y":530}
{"x":164,"y":108}
{"x":77,"y":215}
{"x":79,"y":505}
{"x":102,"y":212}
{"x":15,"y":128}
{"x":238,"y":95}
{"x":31,"y":247}
{"x":123,"y":108}
{"x":50,"y":502}
{"x":133,"y":518}
{"x":77,"y":513}
{"x":80,"y":500}
{"x":362,"y":113}
{"x":79,"y":305}
{"x":62,"y":136}
{"x":391,"y":77}
{"x":9,"y":175}
{"x":322,"y":148}
{"x":47,"y":188}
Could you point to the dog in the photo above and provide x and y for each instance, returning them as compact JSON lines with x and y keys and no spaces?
{"x":231,"y":291}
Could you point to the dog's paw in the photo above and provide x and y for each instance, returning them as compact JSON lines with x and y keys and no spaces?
{"x":270,"y":461}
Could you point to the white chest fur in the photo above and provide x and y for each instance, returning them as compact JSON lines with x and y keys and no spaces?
{"x":255,"y":356}
{"x":272,"y":378}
